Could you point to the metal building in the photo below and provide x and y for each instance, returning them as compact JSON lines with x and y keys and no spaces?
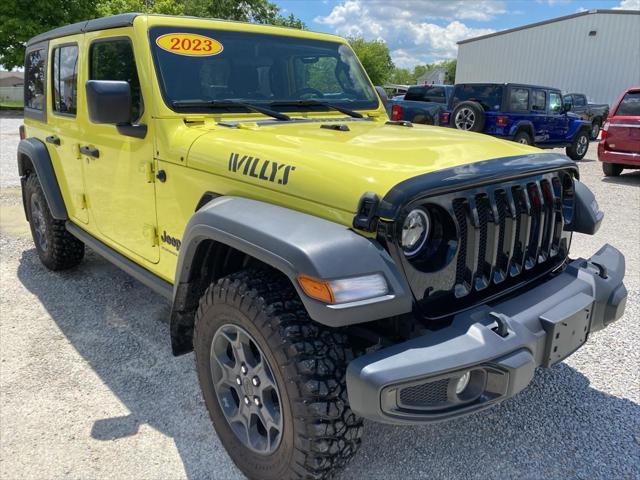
{"x":596,"y":52}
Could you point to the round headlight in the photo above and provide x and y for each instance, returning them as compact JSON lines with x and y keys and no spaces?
{"x":415,"y":231}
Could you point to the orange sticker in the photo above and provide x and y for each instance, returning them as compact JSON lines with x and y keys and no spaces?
{"x":190,"y":44}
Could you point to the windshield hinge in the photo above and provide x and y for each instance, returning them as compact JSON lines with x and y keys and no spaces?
{"x":150,"y":233}
{"x":149,"y":172}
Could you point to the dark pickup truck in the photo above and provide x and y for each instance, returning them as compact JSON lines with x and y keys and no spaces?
{"x":421,"y":104}
{"x":596,"y":114}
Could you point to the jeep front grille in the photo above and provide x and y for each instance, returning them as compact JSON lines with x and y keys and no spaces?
{"x":501,"y":236}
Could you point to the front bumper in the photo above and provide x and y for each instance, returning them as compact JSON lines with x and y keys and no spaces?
{"x":500,"y":346}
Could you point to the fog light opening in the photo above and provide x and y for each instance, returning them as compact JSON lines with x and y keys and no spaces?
{"x":462,"y":383}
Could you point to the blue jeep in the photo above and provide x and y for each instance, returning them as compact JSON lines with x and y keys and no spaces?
{"x":523,"y":113}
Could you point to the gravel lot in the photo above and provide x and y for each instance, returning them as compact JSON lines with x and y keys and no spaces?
{"x":89,"y":388}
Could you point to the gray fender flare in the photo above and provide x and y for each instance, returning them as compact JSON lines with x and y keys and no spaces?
{"x":38,"y":154}
{"x":296,"y":243}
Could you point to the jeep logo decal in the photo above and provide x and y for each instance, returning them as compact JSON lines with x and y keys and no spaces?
{"x":266,"y":170}
{"x":168,"y":239}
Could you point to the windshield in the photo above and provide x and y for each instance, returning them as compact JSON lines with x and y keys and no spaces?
{"x":260,"y":69}
{"x":489,"y":96}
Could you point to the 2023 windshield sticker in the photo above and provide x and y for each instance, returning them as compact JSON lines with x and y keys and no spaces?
{"x":189,"y":44}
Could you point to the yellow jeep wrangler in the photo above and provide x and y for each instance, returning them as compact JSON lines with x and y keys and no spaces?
{"x":325,"y":264}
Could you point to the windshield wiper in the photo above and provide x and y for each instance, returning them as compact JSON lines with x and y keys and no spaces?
{"x":230,"y":104}
{"x":312,"y":103}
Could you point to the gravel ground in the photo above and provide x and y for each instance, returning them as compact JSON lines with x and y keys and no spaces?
{"x":89,"y":389}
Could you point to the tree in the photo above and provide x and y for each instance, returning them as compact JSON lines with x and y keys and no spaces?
{"x":22,"y":19}
{"x":375,"y":58}
{"x":450,"y":76}
{"x":402,"y":76}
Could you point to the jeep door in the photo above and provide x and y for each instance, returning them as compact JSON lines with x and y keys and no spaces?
{"x":64,"y":121}
{"x":119,"y":167}
{"x":557,"y":119}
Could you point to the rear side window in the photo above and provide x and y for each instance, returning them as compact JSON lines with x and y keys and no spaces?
{"x":65,"y":79}
{"x":426,"y":94}
{"x":489,"y":96}
{"x":555,"y":102}
{"x":630,"y":105}
{"x":114,"y":60}
{"x":34,"y":85}
{"x":519,"y":100}
{"x":579,"y":101}
{"x":539,"y":101}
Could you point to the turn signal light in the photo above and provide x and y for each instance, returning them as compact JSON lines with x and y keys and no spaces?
{"x":396,"y":112}
{"x":444,"y":118}
{"x":605,"y":131}
{"x":23,"y":132}
{"x":501,"y":121}
{"x":316,"y":289}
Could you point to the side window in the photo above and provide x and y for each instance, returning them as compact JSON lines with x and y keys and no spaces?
{"x":568,"y":99}
{"x":114,"y":60}
{"x":539,"y":102}
{"x":64,"y":66}
{"x":519,"y":100}
{"x":580,"y":101}
{"x":34,"y":85}
{"x":555,"y":102}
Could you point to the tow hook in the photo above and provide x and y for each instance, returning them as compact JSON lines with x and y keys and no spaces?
{"x":502,"y":321}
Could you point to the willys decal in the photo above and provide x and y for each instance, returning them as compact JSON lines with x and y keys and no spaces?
{"x":266,"y":170}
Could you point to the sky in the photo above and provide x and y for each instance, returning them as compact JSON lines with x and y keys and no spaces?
{"x":425,"y":31}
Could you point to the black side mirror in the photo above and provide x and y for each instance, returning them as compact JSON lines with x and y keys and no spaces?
{"x":109,"y":101}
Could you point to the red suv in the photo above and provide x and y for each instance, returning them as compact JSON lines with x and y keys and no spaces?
{"x":619,"y":147}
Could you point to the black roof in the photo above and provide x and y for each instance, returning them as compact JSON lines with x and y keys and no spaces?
{"x":104,"y":23}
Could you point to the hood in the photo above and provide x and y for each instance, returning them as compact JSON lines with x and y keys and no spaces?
{"x":308,"y":167}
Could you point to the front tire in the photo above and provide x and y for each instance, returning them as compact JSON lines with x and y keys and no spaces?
{"x":611,"y":169}
{"x":578,"y":148}
{"x":314,"y":431}
{"x":56,"y":247}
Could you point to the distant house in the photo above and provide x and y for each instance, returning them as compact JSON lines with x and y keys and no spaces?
{"x":11,"y":79}
{"x":435,"y":76}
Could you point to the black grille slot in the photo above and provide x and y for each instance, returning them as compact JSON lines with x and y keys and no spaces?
{"x":506,"y":232}
{"x":430,"y":394}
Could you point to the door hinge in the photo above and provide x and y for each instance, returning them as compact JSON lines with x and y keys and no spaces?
{"x":82,"y":201}
{"x":150,"y":234}
{"x":149,"y":172}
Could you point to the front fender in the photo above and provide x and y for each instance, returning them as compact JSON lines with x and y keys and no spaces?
{"x":297,"y":244}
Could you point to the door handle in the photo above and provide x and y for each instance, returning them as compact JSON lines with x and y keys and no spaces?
{"x":92,"y":152}
{"x":53,"y":140}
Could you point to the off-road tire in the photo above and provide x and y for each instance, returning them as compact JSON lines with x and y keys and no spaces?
{"x":573,"y":150}
{"x":523,"y":138}
{"x":611,"y":169}
{"x":60,"y":250}
{"x":475,"y":122}
{"x":595,"y":129}
{"x":320,"y":432}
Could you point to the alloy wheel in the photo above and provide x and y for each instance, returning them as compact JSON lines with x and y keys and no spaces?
{"x":583,"y":144}
{"x":465,"y":119}
{"x":246,"y":389}
{"x":38,"y":221}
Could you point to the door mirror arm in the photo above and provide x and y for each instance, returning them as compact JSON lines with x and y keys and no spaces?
{"x":137,"y":130}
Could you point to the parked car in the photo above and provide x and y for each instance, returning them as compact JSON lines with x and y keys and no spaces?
{"x":324,"y":264}
{"x":526,"y":114}
{"x":421,"y":104}
{"x":594,"y":113}
{"x":619,"y":147}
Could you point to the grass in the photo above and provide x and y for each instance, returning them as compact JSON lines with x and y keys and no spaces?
{"x":11,"y":105}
